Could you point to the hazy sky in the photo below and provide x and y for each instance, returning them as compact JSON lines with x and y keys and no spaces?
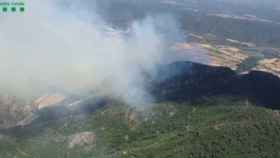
{"x":66,"y":46}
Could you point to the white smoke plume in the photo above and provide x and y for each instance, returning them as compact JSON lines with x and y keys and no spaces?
{"x":64,"y":46}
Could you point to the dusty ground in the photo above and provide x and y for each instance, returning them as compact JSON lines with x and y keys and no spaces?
{"x":231,"y":54}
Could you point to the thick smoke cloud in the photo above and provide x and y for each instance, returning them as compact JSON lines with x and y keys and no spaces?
{"x":64,"y":46}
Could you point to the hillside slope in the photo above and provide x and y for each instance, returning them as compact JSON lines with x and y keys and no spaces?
{"x":216,"y":128}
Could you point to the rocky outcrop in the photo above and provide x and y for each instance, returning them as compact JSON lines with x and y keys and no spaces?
{"x":84,"y":139}
{"x":48,"y":101}
{"x":13,"y":113}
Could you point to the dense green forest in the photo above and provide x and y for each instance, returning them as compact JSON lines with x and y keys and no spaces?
{"x":214,"y":128}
